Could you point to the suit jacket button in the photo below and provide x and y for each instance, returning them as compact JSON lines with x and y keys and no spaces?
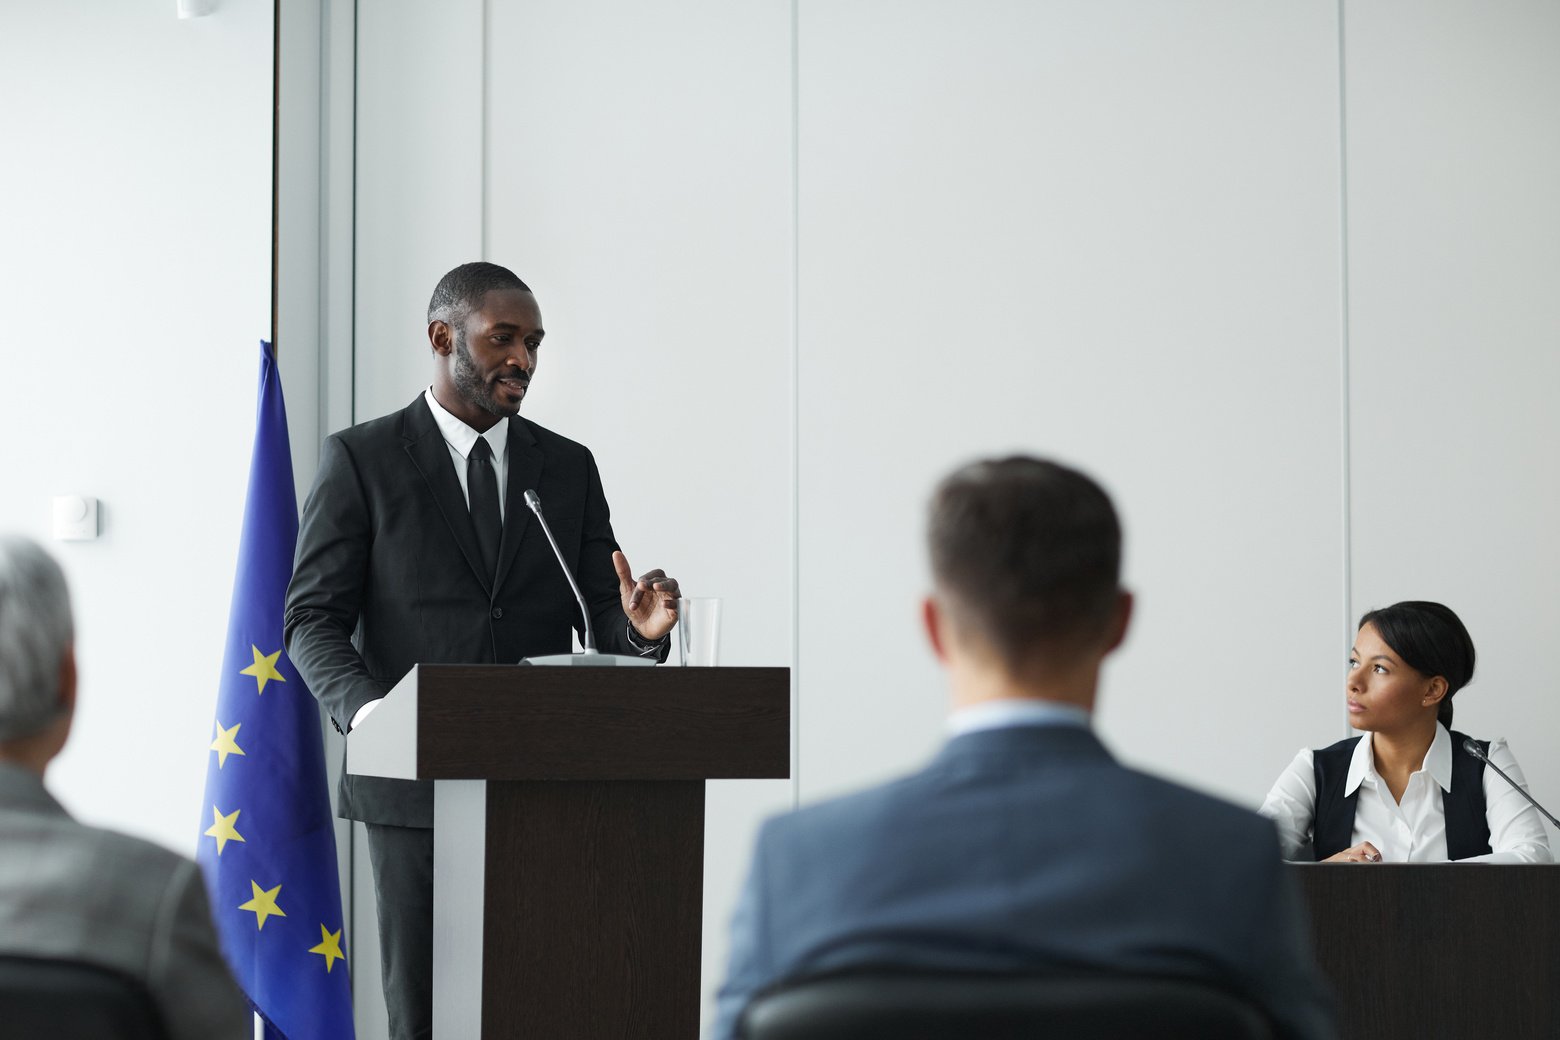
{"x":498,"y":612}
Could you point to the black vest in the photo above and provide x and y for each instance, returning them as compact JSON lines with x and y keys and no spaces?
{"x":1467,"y":829}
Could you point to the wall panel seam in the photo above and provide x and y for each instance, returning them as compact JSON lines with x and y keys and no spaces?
{"x":1345,"y":429}
{"x":796,"y":449}
{"x":483,"y":129}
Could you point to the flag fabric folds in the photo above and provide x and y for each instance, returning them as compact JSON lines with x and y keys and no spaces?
{"x":268,"y":846}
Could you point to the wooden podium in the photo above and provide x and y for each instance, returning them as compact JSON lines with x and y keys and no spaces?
{"x":569,"y":834}
{"x":1438,"y":951}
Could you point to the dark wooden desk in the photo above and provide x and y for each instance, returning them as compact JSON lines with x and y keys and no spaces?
{"x":1439,"y":951}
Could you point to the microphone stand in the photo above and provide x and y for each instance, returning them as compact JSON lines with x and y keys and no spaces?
{"x":1472,"y":747}
{"x":589,"y":656}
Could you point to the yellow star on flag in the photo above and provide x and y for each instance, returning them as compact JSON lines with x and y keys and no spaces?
{"x":264,"y":668}
{"x":329,"y":947}
{"x":226,"y":743}
{"x":263,"y":904}
{"x":222,"y":827}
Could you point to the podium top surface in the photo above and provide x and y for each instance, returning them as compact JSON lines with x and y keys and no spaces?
{"x":522,"y":722}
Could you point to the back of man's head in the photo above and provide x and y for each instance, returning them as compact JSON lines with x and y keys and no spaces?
{"x":35,"y":638}
{"x":1026,"y":557}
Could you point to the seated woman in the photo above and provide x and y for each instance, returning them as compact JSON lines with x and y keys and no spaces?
{"x":1407,"y":791}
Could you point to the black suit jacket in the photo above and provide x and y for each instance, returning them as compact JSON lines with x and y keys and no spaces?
{"x":388,"y":574}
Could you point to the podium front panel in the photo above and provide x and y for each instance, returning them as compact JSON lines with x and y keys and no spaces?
{"x":1438,"y":950}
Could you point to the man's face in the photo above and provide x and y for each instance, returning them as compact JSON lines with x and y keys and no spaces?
{"x":494,"y":352}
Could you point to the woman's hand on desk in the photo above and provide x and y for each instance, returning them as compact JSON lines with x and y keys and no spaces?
{"x":1364,"y":852}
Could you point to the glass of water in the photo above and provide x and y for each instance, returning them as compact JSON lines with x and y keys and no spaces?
{"x":698,"y":625}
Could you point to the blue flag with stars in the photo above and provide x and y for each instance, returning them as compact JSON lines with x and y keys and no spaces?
{"x":268,"y":842}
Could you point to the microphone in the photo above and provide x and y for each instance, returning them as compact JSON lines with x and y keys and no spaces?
{"x":1472,"y":747}
{"x":535,"y":505}
{"x":590,"y":655}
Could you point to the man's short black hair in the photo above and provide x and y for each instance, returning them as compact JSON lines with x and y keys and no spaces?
{"x":459,"y":292}
{"x":1026,"y":555}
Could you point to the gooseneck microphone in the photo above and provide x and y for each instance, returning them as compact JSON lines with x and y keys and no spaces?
{"x":535,"y":504}
{"x":1472,"y":747}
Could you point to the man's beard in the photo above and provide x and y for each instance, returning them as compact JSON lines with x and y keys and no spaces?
{"x":468,"y":381}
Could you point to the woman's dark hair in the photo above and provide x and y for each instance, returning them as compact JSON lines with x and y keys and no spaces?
{"x":1431,"y":640}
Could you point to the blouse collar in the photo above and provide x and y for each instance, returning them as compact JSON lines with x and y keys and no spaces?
{"x":1438,"y":762}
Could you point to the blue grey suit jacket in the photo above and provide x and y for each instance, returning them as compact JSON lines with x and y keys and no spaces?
{"x":1027,"y":848}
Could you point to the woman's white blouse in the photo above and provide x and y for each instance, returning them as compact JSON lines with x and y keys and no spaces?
{"x":1414,"y":830}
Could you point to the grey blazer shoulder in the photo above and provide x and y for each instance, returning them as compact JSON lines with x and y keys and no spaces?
{"x":73,"y":892}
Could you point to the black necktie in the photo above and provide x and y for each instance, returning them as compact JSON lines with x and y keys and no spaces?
{"x":482,"y":490}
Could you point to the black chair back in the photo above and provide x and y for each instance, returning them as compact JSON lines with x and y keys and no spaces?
{"x":67,"y":1000}
{"x":915,"y":1006}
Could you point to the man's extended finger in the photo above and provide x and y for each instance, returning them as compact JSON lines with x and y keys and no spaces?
{"x":620,"y":564}
{"x":627,"y":586}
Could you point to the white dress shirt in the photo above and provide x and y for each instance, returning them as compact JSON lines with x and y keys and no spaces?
{"x":1015,"y":711}
{"x":1413,"y":830}
{"x":460,"y":439}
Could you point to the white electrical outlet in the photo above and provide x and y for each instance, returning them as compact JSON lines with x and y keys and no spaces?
{"x":75,"y":518}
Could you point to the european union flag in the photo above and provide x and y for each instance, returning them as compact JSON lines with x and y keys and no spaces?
{"x":268,"y":845}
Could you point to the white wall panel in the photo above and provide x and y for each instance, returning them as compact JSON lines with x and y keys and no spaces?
{"x":1104,"y":232}
{"x":135,"y":203}
{"x":1454,"y":163}
{"x":419,"y":183}
{"x":639,"y":180}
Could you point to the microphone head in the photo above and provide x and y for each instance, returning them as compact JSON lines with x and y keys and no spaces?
{"x":532,"y":501}
{"x":1472,"y":747}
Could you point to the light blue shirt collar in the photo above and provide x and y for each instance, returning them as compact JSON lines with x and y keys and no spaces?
{"x":1015,"y":711}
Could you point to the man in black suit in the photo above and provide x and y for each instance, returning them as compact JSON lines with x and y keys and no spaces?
{"x":416,"y":546}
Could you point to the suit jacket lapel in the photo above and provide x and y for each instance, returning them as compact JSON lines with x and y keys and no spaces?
{"x":428,"y":452}
{"x":525,"y":472}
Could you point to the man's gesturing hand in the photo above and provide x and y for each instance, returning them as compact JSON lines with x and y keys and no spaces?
{"x":650,"y":602}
